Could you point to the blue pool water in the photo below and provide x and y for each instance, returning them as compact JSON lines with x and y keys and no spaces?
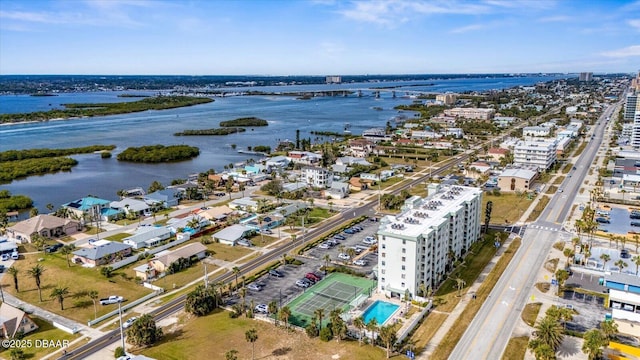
{"x":380,"y":310}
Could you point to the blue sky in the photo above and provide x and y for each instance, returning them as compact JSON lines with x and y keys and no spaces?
{"x":317,"y":37}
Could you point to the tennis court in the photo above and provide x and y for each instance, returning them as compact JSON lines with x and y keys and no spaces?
{"x":336,"y":291}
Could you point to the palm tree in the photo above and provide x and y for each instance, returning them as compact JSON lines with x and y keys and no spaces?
{"x":549,"y":332}
{"x":284,"y":259}
{"x":351,"y":252}
{"x":59,"y":293}
{"x":243,"y":295}
{"x":360,"y":325}
{"x":252,"y":336}
{"x":594,"y":341}
{"x":36,"y":273}
{"x":50,"y":207}
{"x":338,"y":327}
{"x":319,"y":312}
{"x":636,"y":239}
{"x":372,"y":326}
{"x":273,"y":309}
{"x":609,"y":328}
{"x":568,"y":253}
{"x":387,"y":335}
{"x":327,"y":259}
{"x":33,"y":212}
{"x":13,"y":271}
{"x":621,"y":264}
{"x":460,"y":284}
{"x":236,"y":271}
{"x":605,"y":258}
{"x":285,"y":312}
{"x":67,"y":250}
{"x":330,"y":203}
{"x":93,"y":295}
{"x":542,"y":351}
{"x":635,"y":260}
{"x":611,"y":237}
{"x":231,"y":355}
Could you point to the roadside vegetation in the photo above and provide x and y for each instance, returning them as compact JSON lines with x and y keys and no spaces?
{"x":103,"y":109}
{"x":245,"y":121}
{"x":159,"y":153}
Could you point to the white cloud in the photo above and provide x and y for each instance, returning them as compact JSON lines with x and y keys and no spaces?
{"x":629,"y":51}
{"x":557,"y":18}
{"x":634,"y":23}
{"x":468,"y":28}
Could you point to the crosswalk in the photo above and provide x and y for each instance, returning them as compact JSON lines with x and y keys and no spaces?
{"x":548,"y":228}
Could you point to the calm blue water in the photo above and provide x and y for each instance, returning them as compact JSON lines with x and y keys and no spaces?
{"x":104,"y":177}
{"x":380,"y":310}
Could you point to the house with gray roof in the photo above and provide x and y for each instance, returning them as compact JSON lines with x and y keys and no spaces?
{"x":147,"y":237}
{"x":243,"y":204}
{"x":132,"y":206}
{"x":101,"y":253}
{"x":167,"y":197}
{"x":230,"y":235}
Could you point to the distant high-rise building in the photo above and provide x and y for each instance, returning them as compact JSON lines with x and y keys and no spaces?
{"x":447,"y":99}
{"x":630,"y":107}
{"x":635,"y":83}
{"x":635,"y":135}
{"x":586,"y":76}
{"x":333,"y":79}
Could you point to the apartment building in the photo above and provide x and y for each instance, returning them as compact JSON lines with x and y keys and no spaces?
{"x":471,"y":113}
{"x":635,"y":131}
{"x":447,"y":99}
{"x":317,"y":177}
{"x":630,"y":107}
{"x":541,"y":154}
{"x":419,"y":245}
{"x":536,"y":131}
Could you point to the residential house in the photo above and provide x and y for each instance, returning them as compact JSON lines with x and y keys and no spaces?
{"x":536,"y":131}
{"x":132,"y":207}
{"x":304,"y":157}
{"x":14,"y":322}
{"x":231,"y":234}
{"x":516,"y":179}
{"x":369,"y":178}
{"x":338,"y":190}
{"x":386,"y":174}
{"x":376,"y":134}
{"x":163,"y":260}
{"x":90,"y":207}
{"x":317,"y":177}
{"x":255,"y":169}
{"x":496,"y":154}
{"x":216,"y":213}
{"x":147,"y":237}
{"x":167,"y":197}
{"x":458,"y":133}
{"x":351,"y":160}
{"x":101,"y":253}
{"x":277,"y":162}
{"x":294,"y":186}
{"x":360,"y":147}
{"x":356,"y":184}
{"x":48,"y":226}
{"x":423,"y":134}
{"x":244,"y":204}
{"x":477,"y":169}
{"x":187,"y":223}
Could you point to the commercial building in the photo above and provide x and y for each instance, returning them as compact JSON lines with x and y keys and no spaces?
{"x":516,"y":179}
{"x":624,"y":296}
{"x":470,"y":113}
{"x":541,"y":154}
{"x":333,"y":79}
{"x":447,"y":99}
{"x":419,"y":245}
{"x":585,"y":76}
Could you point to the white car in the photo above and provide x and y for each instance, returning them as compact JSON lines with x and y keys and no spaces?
{"x":302,"y":284}
{"x":360,"y":262}
{"x":369,"y":240}
{"x":254,"y":287}
{"x":129,"y":322}
{"x":262,"y":308}
{"x":344,"y":256}
{"x":324,"y":246}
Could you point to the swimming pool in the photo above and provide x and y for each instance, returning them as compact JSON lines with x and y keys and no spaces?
{"x":379,"y":310}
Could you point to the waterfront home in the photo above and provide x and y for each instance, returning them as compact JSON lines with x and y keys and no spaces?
{"x":255,"y":169}
{"x":164,"y":259}
{"x":244,"y":204}
{"x":90,"y":207}
{"x":132,"y":207}
{"x":14,"y":322}
{"x":101,"y":253}
{"x":360,"y":147}
{"x":230,"y":235}
{"x":147,"y":237}
{"x":277,"y":162}
{"x":48,"y":226}
{"x":304,"y":157}
{"x":167,"y":197}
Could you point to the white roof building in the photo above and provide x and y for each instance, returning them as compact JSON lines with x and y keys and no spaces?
{"x":541,"y":154}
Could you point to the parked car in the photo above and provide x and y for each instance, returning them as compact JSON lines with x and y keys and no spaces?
{"x":302,"y":284}
{"x":339,"y":237}
{"x":343,"y":256}
{"x":276,"y":273}
{"x":266,"y":231}
{"x":369,"y":240}
{"x":332,"y":242}
{"x":129,"y":322}
{"x":254,"y":287}
{"x":244,"y":242}
{"x":5,"y":257}
{"x":358,"y":228}
{"x":1,"y":268}
{"x":624,"y":253}
{"x":113,"y":299}
{"x":360,"y":262}
{"x":324,"y":245}
{"x":313,"y":277}
{"x":15,"y":255}
{"x":261,"y":309}
{"x":349,"y":231}
{"x":357,"y":249}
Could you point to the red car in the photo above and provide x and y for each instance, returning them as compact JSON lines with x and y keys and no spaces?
{"x":313,"y":277}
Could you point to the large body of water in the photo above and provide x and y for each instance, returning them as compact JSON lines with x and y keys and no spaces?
{"x":103,"y":177}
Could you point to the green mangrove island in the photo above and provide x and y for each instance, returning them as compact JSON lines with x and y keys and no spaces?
{"x":245,"y":121}
{"x":218,"y":131}
{"x":15,"y":164}
{"x":159,"y":153}
{"x":10,"y":202}
{"x":103,"y":109}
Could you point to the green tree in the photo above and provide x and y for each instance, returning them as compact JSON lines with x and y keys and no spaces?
{"x":33,"y":212}
{"x":144,"y":332}
{"x":541,"y":350}
{"x":17,"y":354}
{"x":252,"y":336}
{"x":13,"y":271}
{"x":319,"y":313}
{"x":605,"y":258}
{"x":568,"y":253}
{"x":388,"y":337}
{"x":273,"y":309}
{"x":372,"y":326}
{"x":285,"y":313}
{"x":594,"y":342}
{"x":201,"y":301}
{"x":561,"y":275}
{"x":636,"y":260}
{"x":231,"y":355}
{"x":359,"y":324}
{"x":236,"y":272}
{"x":36,"y":274}
{"x":621,"y":264}
{"x":106,"y":271}
{"x":93,"y":295}
{"x":66,"y":250}
{"x":59,"y":293}
{"x":155,"y":186}
{"x":549,"y":332}
{"x":609,"y":328}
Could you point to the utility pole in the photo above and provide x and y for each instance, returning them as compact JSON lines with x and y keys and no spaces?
{"x":206,"y":280}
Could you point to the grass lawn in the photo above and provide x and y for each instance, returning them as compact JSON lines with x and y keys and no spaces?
{"x":77,"y":279}
{"x":542,"y":203}
{"x":507,"y":207}
{"x":228,"y":253}
{"x":216,"y":334}
{"x":262,"y":240}
{"x":455,"y":333}
{"x":390,"y":182}
{"x":181,"y":278}
{"x":428,"y":329}
{"x":118,"y":237}
{"x":530,"y":313}
{"x":46,"y":331}
{"x":516,"y":348}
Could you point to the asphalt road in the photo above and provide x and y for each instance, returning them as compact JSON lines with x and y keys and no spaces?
{"x":489,"y":332}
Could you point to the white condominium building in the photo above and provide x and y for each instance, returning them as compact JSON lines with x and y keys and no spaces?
{"x":541,"y":154}
{"x":419,"y":245}
{"x":470,"y":113}
{"x":317,"y":177}
{"x":635,"y":131}
{"x":630,"y":107}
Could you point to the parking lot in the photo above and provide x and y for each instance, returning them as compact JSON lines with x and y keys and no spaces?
{"x":284,"y":289}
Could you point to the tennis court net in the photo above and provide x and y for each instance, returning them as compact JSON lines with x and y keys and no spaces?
{"x":342,"y":300}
